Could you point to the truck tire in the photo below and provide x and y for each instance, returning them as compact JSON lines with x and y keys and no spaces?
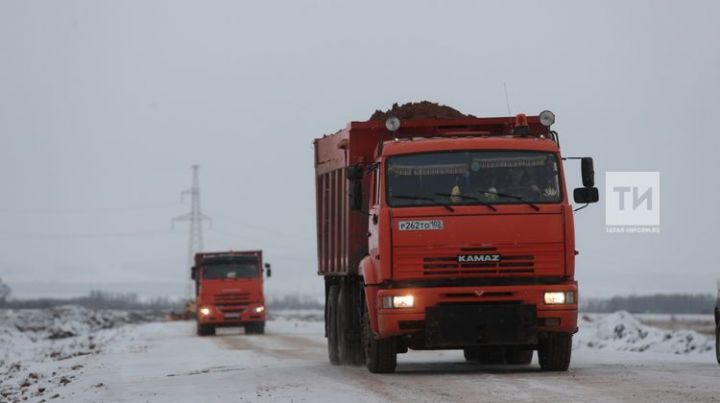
{"x":205,"y":330}
{"x":555,"y":351}
{"x":485,"y":355}
{"x":349,"y":343}
{"x":717,"y":343}
{"x":255,"y":328}
{"x":380,"y":354}
{"x":518,"y":357}
{"x":331,"y":324}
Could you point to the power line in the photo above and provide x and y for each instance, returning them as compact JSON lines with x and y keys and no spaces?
{"x":84,"y":210}
{"x":78,"y":235}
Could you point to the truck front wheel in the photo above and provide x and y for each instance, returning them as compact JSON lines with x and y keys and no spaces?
{"x":205,"y":330}
{"x":554,"y":352}
{"x":331,"y":312}
{"x":255,"y":328}
{"x":380,"y":354}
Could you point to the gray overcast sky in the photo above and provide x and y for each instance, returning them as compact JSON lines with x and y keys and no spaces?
{"x":105,"y":105}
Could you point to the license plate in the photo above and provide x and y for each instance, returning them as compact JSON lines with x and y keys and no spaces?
{"x":232,"y":315}
{"x":426,"y":225}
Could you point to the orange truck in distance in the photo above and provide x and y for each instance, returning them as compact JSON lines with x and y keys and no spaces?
{"x":229,"y":291}
{"x":448,"y":234}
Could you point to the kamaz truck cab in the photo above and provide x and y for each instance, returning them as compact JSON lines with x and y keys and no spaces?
{"x":229,"y":291}
{"x":448,"y":234}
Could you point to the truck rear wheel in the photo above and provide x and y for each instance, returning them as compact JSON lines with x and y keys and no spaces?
{"x":555,"y":351}
{"x":380,"y":354}
{"x":717,"y":343}
{"x":331,"y":324}
{"x":485,"y":355}
{"x":518,"y":357}
{"x":348,"y":335}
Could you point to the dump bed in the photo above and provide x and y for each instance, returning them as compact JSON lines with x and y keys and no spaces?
{"x":342,"y":234}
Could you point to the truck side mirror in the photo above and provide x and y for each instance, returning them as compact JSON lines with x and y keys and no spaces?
{"x":586,"y":195}
{"x":354,"y":172}
{"x":193,"y":272}
{"x":356,"y":195}
{"x":268,"y":270}
{"x":588,"y":172}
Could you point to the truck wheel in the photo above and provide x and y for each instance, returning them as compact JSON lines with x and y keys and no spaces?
{"x":204,"y":330}
{"x":554,"y":352}
{"x":331,"y":324}
{"x":518,"y":357}
{"x":380,"y":354}
{"x":255,"y":328}
{"x":485,"y":355}
{"x":717,"y":343}
{"x":348,"y":335}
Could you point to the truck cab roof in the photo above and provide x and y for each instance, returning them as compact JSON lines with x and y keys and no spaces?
{"x":447,"y":143}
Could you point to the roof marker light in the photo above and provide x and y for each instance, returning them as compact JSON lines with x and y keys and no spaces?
{"x":547,"y":118}
{"x":521,"y":120}
{"x":521,"y":124}
{"x":392,"y":123}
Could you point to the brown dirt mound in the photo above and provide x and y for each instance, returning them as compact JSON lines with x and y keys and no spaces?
{"x":420,"y":110}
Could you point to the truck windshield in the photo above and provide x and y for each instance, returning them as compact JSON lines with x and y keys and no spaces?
{"x":473,"y":177}
{"x":230,"y":269}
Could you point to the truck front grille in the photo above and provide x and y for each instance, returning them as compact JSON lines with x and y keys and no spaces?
{"x":516,"y":260}
{"x":239,"y":298}
{"x":447,"y":264}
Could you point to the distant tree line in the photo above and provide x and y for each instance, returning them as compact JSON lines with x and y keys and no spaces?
{"x":130,"y":301}
{"x":657,"y":303}
{"x":295,"y":302}
{"x":99,"y":300}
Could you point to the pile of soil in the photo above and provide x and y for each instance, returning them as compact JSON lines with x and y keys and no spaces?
{"x":420,"y":110}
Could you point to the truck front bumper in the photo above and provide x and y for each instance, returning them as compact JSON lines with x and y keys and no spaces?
{"x":227,"y":315}
{"x":446,"y":317}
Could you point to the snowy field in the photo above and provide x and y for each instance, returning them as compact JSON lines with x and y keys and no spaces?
{"x":75,"y":355}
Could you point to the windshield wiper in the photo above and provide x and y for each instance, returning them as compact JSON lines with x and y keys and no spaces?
{"x":432,"y":199}
{"x":510,"y":197}
{"x":468,"y":198}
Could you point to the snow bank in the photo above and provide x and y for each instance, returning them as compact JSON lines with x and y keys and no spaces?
{"x":42,"y":349}
{"x":623,"y":332}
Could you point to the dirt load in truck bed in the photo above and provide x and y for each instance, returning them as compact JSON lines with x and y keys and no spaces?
{"x":420,"y":110}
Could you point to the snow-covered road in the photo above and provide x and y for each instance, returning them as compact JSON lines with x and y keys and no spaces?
{"x":166,"y":362}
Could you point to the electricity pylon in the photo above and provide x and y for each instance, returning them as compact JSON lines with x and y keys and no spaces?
{"x":196,"y":218}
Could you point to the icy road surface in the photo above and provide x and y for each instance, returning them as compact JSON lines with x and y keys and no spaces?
{"x":166,"y":362}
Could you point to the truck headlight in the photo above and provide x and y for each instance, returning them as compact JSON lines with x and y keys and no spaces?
{"x":204,"y":311}
{"x":398,"y":301}
{"x":559,"y":297}
{"x":259,"y":309}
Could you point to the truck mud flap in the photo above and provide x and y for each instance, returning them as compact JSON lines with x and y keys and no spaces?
{"x":480,"y":325}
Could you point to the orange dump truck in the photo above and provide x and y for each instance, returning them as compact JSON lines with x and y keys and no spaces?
{"x":229,"y":291}
{"x":448,"y":234}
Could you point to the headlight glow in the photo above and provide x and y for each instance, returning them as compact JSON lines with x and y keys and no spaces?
{"x":398,"y":301}
{"x":259,"y":309}
{"x":559,"y":297}
{"x":205,"y":311}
